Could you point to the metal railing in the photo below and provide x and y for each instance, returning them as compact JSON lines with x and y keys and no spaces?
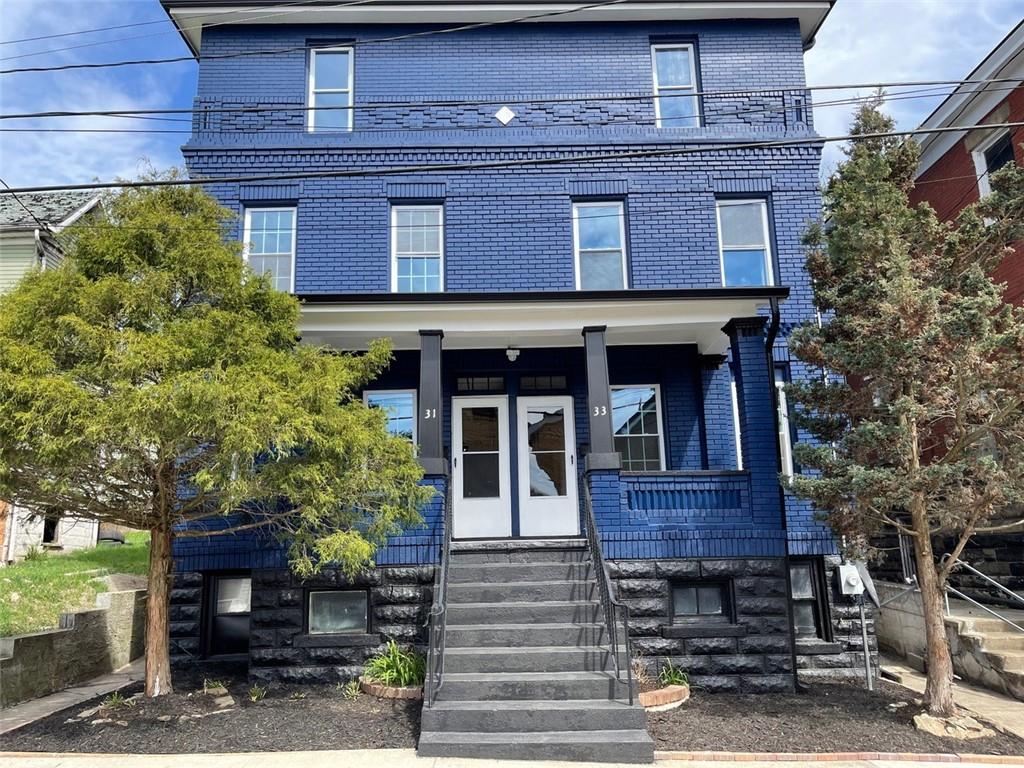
{"x":437,"y":619}
{"x":961,"y":564}
{"x":611,"y":606}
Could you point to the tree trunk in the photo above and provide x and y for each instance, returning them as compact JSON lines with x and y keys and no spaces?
{"x":938,"y":692}
{"x":158,"y":659}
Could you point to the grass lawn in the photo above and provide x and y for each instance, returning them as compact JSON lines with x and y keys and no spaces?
{"x":34,"y":593}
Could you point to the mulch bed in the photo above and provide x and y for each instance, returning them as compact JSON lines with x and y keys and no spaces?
{"x":827,"y":718}
{"x":305,"y":717}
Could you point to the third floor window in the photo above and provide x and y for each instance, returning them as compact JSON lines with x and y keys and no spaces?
{"x":330,"y":89}
{"x":675,"y":86}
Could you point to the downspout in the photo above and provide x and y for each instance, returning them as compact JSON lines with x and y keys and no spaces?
{"x":39,"y":248}
{"x":769,"y":345}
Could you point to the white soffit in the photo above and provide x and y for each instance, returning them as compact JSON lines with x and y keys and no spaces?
{"x":486,"y":325}
{"x":190,"y":20}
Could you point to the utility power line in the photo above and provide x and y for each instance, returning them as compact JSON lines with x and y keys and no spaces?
{"x":20,"y":202}
{"x":518,"y":163}
{"x":294,"y":49}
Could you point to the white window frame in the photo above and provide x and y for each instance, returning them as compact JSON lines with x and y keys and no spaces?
{"x":313,"y":90}
{"x":660,"y":414}
{"x":247,"y":234}
{"x":767,"y":245}
{"x":737,"y":437}
{"x":980,"y":166}
{"x":659,"y":88}
{"x":415,"y":414}
{"x":394,"y":242}
{"x":576,"y":237}
{"x":785,"y":435}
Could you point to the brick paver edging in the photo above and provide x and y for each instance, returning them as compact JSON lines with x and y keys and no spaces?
{"x":805,"y":757}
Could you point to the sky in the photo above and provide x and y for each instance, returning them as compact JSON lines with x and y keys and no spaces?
{"x":862,"y":41}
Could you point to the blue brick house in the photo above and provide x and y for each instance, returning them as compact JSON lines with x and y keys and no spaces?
{"x":581,"y":231}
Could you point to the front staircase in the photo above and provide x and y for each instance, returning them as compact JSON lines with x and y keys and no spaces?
{"x":528,"y":666}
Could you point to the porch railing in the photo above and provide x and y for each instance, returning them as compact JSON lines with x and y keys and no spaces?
{"x":437,"y":619}
{"x":613,"y":608}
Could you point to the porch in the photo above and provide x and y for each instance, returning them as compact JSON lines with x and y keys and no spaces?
{"x":517,"y":401}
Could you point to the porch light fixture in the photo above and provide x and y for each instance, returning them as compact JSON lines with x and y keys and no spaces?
{"x":512,"y":354}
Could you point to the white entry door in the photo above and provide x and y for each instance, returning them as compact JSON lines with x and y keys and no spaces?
{"x":548,"y":502}
{"x":482,"y":501}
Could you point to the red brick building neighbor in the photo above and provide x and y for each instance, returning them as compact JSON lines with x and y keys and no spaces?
{"x":955,"y":166}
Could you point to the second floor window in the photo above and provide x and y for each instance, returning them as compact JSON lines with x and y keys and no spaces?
{"x":675,"y":86}
{"x":743,"y":242}
{"x":989,"y":158}
{"x":400,"y":407}
{"x":636,"y":421}
{"x":330,"y":89}
{"x":417,"y":248}
{"x":600,"y":240}
{"x":270,"y":244}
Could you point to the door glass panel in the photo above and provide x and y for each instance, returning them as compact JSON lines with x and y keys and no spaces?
{"x":546,"y":437}
{"x":480,"y":476}
{"x":233,"y":595}
{"x":547,"y":429}
{"x":479,"y":429}
{"x":547,"y":474}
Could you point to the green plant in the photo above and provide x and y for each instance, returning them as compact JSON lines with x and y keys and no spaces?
{"x":670,"y":674}
{"x":257,"y":692}
{"x":208,"y":684}
{"x":117,"y":701}
{"x":297,"y":696}
{"x":34,"y":554}
{"x":350,"y":690}
{"x":397,"y":667}
{"x":641,"y":673}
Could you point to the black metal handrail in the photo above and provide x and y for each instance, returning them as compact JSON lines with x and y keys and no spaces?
{"x":612,"y":607}
{"x":437,"y":619}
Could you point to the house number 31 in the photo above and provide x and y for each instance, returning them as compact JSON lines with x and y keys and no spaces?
{"x":430,"y":413}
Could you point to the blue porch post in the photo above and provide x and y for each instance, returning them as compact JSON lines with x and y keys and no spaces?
{"x":755,"y":396}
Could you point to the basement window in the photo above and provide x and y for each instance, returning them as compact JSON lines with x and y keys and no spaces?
{"x":338,"y":612}
{"x":701,"y":600}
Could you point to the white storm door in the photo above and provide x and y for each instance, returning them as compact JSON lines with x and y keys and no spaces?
{"x":480,"y":456}
{"x":548,"y":501}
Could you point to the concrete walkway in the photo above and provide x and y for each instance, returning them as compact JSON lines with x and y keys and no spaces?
{"x":390,"y":758}
{"x":1005,"y":712}
{"x":29,"y":711}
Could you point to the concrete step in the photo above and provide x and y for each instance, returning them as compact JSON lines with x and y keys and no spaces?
{"x":552,"y":686}
{"x":518,"y":572}
{"x":532,"y":716}
{"x":536,"y":591}
{"x":527,"y":635}
{"x":553,"y":551}
{"x":1006,"y":661}
{"x":563,"y":612}
{"x":538,"y":659}
{"x":1003,"y":641}
{"x":980,"y":625}
{"x":618,"y":746}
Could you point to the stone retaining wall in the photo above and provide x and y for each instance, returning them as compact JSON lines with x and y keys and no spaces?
{"x":86,"y":645}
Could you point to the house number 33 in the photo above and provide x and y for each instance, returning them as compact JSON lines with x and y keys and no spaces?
{"x":600,"y":410}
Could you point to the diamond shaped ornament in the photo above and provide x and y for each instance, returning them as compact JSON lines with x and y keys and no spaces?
{"x":504,"y":115}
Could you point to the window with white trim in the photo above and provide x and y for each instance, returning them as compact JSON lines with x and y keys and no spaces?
{"x":270,"y":244}
{"x":636,"y":427}
{"x":991,"y":155}
{"x":599,"y":239}
{"x":675,"y":86}
{"x":400,"y":407}
{"x":330,"y":89}
{"x":417,"y":248}
{"x":743,"y":242}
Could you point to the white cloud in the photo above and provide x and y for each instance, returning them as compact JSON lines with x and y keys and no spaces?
{"x":883,"y":41}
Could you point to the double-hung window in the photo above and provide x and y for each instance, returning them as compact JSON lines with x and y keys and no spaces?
{"x":417,"y":248}
{"x":270,"y":244}
{"x":599,"y":232}
{"x":744,"y":249}
{"x":989,"y":157}
{"x":810,"y":611}
{"x":400,"y":407}
{"x":675,"y":86}
{"x":636,"y":425}
{"x":330,"y":89}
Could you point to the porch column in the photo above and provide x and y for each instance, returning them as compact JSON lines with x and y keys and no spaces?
{"x":430,"y":414}
{"x":602,"y":453}
{"x":755,"y":397}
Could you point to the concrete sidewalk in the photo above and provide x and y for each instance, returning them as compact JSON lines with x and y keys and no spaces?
{"x":392,"y":758}
{"x":36,"y":709}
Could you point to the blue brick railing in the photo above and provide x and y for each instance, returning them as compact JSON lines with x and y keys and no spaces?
{"x":700,"y":499}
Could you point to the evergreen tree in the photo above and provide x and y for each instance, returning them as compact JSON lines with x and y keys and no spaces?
{"x":154,"y":381}
{"x":919,"y":416}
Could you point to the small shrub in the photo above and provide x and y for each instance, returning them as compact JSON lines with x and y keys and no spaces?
{"x":641,"y":674}
{"x":257,"y":692}
{"x":297,"y":696}
{"x":350,"y":690}
{"x":397,"y":667}
{"x":117,"y":701}
{"x":670,"y":674}
{"x":34,"y":554}
{"x":208,"y":684}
